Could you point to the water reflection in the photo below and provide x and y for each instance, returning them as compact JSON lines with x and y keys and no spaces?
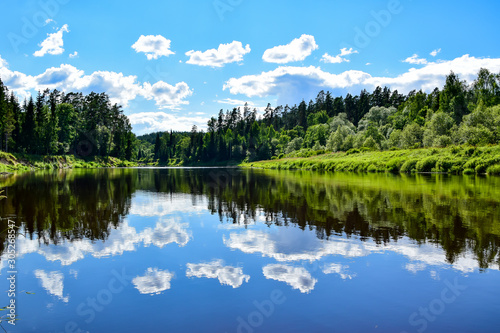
{"x":296,"y":277}
{"x":215,"y":244}
{"x":451,"y":219}
{"x":53,"y":283}
{"x":154,"y":281}
{"x":227,"y":275}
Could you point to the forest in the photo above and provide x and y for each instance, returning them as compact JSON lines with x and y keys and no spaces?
{"x":55,"y":123}
{"x":459,"y":114}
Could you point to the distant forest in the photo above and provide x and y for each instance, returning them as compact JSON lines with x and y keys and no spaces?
{"x":458,"y":114}
{"x":88,"y":125}
{"x":55,"y":123}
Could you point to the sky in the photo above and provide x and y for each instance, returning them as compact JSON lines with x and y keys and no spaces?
{"x":174,"y":64}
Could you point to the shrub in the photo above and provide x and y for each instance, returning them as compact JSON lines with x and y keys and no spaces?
{"x":409,"y":166}
{"x":493,"y":169}
{"x":427,"y":164}
{"x":352,"y":151}
{"x":468,"y":171}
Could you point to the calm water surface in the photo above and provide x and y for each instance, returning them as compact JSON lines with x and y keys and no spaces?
{"x":228,"y":250}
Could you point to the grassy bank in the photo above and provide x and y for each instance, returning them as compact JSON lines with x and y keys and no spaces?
{"x":455,"y":160}
{"x":18,"y":162}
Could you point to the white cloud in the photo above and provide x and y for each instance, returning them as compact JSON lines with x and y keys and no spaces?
{"x":415,"y":267}
{"x":154,"y":281}
{"x":73,"y":55}
{"x":147,"y":122}
{"x":415,"y":60}
{"x":120,"y":240}
{"x":339,"y":269}
{"x":298,"y":49}
{"x":53,"y":282}
{"x":339,"y":57}
{"x":120,"y":88}
{"x":3,"y":62}
{"x":296,"y":79}
{"x":167,"y":96}
{"x":296,"y":277}
{"x":47,"y":21}
{"x":435,"y":52}
{"x":292,"y":83}
{"x":53,"y":44}
{"x":224,"y":54}
{"x":295,"y":245}
{"x":153,"y":46}
{"x":231,"y":101}
{"x":227,"y":275}
{"x":166,"y":233}
{"x":162,"y":204}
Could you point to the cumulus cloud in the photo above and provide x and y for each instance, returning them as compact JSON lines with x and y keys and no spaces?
{"x":298,"y":49}
{"x":120,"y":88}
{"x":435,"y":52}
{"x":73,"y":55}
{"x":290,"y":245}
{"x":53,"y":282}
{"x":227,"y":275}
{"x":154,"y":281}
{"x":163,"y":204}
{"x":339,"y":57}
{"x":53,"y":44}
{"x":147,"y":122}
{"x":224,"y":54}
{"x":292,"y":79}
{"x":123,"y":239}
{"x":341,"y":270}
{"x":167,"y":96}
{"x":153,"y":46}
{"x":415,"y":60}
{"x":288,"y":82}
{"x":3,"y":62}
{"x":166,"y":233}
{"x":296,"y":277}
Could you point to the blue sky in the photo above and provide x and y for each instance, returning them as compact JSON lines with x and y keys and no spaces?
{"x":172,"y":64}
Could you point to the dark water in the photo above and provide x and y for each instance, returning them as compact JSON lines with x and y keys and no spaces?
{"x":228,"y":250}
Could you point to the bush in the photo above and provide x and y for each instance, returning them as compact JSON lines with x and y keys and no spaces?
{"x":493,"y":169}
{"x":469,"y":171}
{"x":393,"y":165}
{"x":426,"y":165}
{"x":409,"y":166}
{"x":353,"y":151}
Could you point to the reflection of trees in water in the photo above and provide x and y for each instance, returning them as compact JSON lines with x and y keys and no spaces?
{"x":68,"y":205}
{"x":458,"y":214}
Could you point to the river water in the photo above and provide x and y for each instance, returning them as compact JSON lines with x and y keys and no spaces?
{"x":230,"y":250}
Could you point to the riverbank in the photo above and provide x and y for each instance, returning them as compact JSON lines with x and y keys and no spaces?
{"x":16,"y":162}
{"x":455,"y":160}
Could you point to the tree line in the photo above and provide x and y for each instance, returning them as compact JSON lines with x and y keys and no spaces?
{"x":459,"y":113}
{"x":90,"y":125}
{"x":55,"y":123}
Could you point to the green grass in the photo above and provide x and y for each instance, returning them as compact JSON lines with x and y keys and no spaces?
{"x":22,"y":162}
{"x":454,"y":160}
